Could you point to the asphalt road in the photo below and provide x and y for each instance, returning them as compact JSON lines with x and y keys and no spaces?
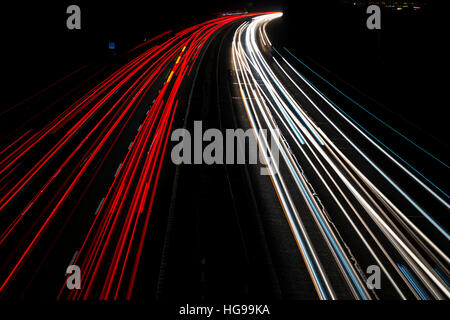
{"x":88,"y":180}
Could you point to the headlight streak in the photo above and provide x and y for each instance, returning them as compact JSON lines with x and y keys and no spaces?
{"x":344,"y":211}
{"x":407,"y":223}
{"x":355,"y":284}
{"x":414,"y":282}
{"x":316,"y":270}
{"x":370,"y":113}
{"x":258,"y":96}
{"x":320,"y":280}
{"x":352,"y":122}
{"x":389,"y":204}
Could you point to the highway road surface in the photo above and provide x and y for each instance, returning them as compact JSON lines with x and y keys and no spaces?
{"x":94,"y":185}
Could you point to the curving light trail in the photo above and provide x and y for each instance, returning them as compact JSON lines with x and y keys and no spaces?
{"x":66,"y":155}
{"x":269,"y":93}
